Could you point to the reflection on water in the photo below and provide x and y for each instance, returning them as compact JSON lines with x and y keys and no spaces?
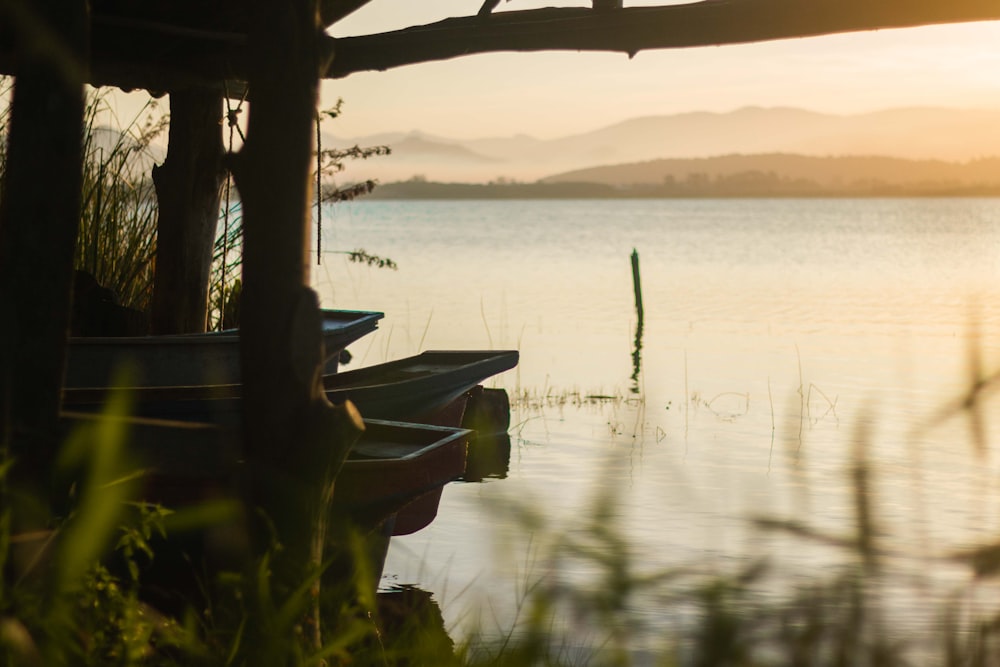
{"x":775,"y":327}
{"x":488,"y":458}
{"x":412,"y":629}
{"x":636,"y":358}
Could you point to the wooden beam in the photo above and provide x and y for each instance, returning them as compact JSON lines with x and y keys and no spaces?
{"x":135,"y":53}
{"x":332,"y":11}
{"x":706,"y":23}
{"x":141,"y":53}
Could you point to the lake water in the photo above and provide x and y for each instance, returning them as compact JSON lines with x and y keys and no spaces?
{"x":777,"y":335}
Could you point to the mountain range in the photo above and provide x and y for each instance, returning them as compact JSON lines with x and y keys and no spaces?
{"x":843,"y":173}
{"x":925,"y":133}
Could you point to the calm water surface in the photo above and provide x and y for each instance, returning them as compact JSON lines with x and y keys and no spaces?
{"x":777,"y":334}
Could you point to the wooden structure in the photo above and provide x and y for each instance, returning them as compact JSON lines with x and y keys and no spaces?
{"x":188,"y":49}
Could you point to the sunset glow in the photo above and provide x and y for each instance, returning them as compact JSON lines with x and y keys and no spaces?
{"x":558,"y":93}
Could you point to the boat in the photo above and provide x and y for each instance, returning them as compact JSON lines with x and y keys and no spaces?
{"x":417,"y":388}
{"x":392,"y":465}
{"x":400,"y":469}
{"x":390,"y":484}
{"x":193,"y":359}
{"x":422,"y":388}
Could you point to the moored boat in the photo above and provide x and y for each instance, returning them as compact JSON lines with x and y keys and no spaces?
{"x":400,"y":469}
{"x":415,"y":389}
{"x":391,"y":465}
{"x":192,"y":359}
{"x":390,"y":484}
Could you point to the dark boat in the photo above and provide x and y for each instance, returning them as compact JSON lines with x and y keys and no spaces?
{"x":400,"y":469}
{"x":392,"y":465}
{"x":192,"y":359}
{"x":390,"y":484}
{"x":415,"y":389}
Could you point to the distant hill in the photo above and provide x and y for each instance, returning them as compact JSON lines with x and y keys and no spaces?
{"x":767,"y":175}
{"x":416,"y":147}
{"x":912,"y":133}
{"x":850,"y":172}
{"x":107,"y":140}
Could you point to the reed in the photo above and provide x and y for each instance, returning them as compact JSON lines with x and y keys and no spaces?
{"x":118,"y":214}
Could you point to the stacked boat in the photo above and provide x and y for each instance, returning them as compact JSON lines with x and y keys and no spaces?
{"x":186,"y":400}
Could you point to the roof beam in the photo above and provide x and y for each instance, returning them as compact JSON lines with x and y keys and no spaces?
{"x":139,"y":53}
{"x":332,"y":11}
{"x":630,"y":30}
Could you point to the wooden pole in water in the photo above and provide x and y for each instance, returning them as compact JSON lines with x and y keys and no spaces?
{"x":637,"y":285}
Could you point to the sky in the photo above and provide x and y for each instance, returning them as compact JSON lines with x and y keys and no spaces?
{"x":552,"y":94}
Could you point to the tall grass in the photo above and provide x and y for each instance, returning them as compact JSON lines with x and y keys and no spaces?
{"x":116,"y":242}
{"x":118,"y":214}
{"x":117,"y":234}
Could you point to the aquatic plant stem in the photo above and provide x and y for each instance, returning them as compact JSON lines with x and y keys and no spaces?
{"x":637,"y":287}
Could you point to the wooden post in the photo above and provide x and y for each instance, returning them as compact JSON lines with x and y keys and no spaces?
{"x":188,"y":189}
{"x":38,"y":228}
{"x":295,"y":440}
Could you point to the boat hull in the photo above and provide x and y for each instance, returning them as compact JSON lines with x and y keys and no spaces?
{"x":191,"y":359}
{"x":416,"y":389}
{"x":392,"y":465}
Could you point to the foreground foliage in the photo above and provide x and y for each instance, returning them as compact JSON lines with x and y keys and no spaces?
{"x":79,"y":593}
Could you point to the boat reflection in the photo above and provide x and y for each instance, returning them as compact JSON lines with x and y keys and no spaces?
{"x":488,"y":458}
{"x":637,"y":358}
{"x":411,"y":628}
{"x":487,"y":413}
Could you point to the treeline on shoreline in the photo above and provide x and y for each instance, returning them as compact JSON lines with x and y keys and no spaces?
{"x":749,"y":185}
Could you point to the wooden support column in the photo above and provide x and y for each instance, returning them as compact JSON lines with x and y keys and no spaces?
{"x":295,"y":440}
{"x":188,"y":186}
{"x":38,"y":227}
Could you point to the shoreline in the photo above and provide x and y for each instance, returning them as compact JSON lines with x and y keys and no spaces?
{"x":428,"y":190}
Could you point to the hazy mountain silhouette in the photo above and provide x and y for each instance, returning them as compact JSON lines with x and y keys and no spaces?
{"x":845,"y":172}
{"x":912,"y":133}
{"x":414,"y":147}
{"x":104,"y":141}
